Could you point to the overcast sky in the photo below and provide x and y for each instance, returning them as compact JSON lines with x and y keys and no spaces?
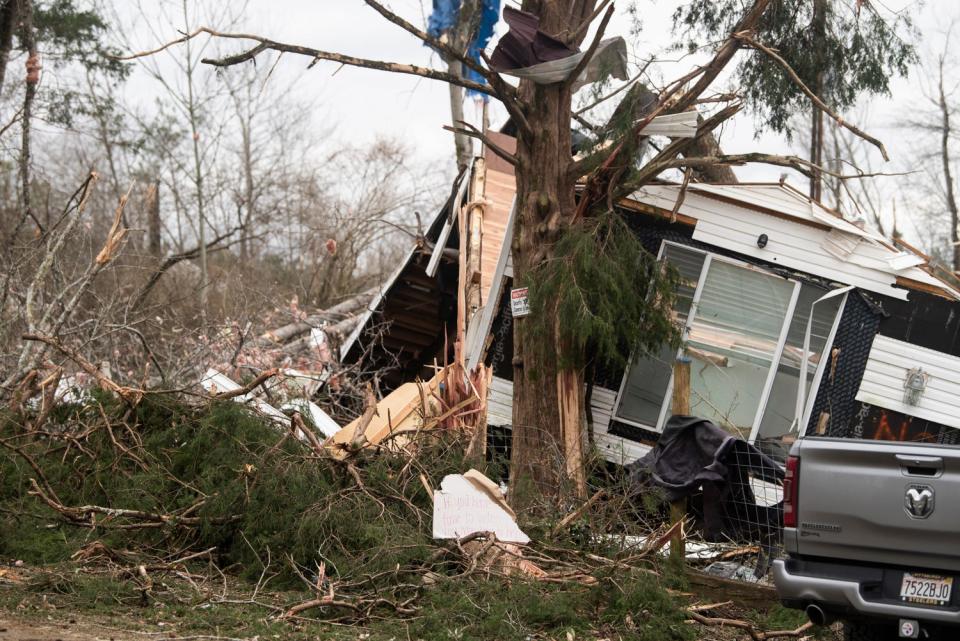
{"x":365,"y":103}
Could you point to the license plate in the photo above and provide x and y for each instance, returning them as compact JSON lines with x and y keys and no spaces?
{"x":929,"y":589}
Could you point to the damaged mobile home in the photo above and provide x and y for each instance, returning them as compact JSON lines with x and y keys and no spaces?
{"x":795,"y":319}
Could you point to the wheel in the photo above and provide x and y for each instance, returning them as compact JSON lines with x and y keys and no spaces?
{"x":862,"y":631}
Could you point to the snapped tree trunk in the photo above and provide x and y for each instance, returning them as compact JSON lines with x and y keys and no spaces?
{"x":547,"y":443}
{"x":463,"y":144}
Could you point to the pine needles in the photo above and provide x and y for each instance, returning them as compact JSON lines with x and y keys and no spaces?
{"x":611,"y":296}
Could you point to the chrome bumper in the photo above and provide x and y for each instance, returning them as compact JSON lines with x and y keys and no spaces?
{"x":846,"y":595}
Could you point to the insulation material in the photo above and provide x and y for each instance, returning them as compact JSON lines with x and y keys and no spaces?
{"x":884,"y":380}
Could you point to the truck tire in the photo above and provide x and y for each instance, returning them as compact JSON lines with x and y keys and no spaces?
{"x":860,"y":631}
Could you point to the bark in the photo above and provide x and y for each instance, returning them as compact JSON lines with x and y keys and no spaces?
{"x":28,"y":41}
{"x":153,"y":222}
{"x":707,"y":146}
{"x":548,"y":401}
{"x":816,"y":125}
{"x":194,"y":118}
{"x":8,"y":21}
{"x":460,"y":140}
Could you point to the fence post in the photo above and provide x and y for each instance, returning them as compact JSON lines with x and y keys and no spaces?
{"x":681,"y":405}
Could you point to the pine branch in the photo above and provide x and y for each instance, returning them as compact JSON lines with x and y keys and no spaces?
{"x":745,"y":37}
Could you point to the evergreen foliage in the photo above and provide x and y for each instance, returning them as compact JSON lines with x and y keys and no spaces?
{"x":610,"y":295}
{"x":858,"y":52}
{"x":295,"y":506}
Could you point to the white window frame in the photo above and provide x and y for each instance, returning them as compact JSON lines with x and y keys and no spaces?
{"x":825,"y":357}
{"x":709,"y":257}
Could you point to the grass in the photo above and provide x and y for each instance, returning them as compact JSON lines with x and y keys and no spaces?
{"x":628,"y":607}
{"x":291,"y":512}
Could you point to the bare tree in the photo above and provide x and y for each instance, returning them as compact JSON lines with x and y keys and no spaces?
{"x":937,"y":158}
{"x":549,"y":376}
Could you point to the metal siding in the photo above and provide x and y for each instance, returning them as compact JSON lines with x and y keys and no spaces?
{"x":500,"y":402}
{"x":887,"y":367}
{"x":614,"y":448}
{"x":793,"y":244}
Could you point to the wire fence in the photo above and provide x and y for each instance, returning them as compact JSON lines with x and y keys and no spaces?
{"x":735,"y":527}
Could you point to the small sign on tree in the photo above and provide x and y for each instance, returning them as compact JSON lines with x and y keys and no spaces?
{"x":519,"y":302}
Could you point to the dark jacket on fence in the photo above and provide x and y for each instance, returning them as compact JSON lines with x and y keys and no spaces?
{"x":694,"y":455}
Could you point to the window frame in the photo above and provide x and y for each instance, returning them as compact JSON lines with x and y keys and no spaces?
{"x":709,"y":257}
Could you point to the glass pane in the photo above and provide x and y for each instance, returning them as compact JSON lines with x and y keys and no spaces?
{"x":648,"y":377}
{"x":732,"y":341}
{"x":774,"y":436}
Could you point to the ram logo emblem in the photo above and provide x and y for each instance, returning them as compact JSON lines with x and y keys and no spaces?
{"x":919,"y":501}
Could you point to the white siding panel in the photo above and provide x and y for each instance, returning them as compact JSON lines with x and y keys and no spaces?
{"x":796,"y":253}
{"x":500,"y":402}
{"x":791,"y":243}
{"x":887,"y":368}
{"x":614,"y":448}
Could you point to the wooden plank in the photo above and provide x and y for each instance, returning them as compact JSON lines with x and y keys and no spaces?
{"x":753,"y":596}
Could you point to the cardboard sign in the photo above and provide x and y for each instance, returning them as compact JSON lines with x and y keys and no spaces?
{"x":519,"y":302}
{"x":468,"y":503}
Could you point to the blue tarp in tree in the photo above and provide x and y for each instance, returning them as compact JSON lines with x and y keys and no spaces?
{"x":444,"y":18}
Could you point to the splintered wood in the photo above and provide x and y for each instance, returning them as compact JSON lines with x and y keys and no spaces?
{"x":448,"y":400}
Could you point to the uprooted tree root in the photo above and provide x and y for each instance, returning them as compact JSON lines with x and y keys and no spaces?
{"x":166,"y":492}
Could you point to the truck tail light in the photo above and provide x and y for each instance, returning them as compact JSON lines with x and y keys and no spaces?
{"x":791,"y":488}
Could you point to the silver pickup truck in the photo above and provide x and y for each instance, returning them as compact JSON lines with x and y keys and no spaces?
{"x":872,"y":531}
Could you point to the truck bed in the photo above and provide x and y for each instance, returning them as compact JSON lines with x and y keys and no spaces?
{"x":877,"y":502}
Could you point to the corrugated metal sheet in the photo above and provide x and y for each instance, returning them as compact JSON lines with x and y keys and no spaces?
{"x":887,"y":368}
{"x":614,"y":448}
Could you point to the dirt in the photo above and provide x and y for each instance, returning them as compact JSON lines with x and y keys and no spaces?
{"x":56,"y":628}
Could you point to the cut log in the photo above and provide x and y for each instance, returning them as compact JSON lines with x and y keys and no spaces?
{"x":334,"y":333}
{"x":350,"y":307}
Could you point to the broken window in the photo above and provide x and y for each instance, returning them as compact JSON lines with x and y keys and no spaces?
{"x":744,"y":331}
{"x":777,"y":431}
{"x":648,"y":378}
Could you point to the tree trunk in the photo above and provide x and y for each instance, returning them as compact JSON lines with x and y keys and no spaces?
{"x":153,"y":222}
{"x":547,"y":398}
{"x":28,"y":41}
{"x":945,"y":134}
{"x":463,"y":143}
{"x":816,"y":125}
{"x":8,"y":22}
{"x":708,"y":146}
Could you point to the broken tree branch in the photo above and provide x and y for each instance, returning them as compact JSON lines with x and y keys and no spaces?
{"x":128,"y":394}
{"x":249,"y":387}
{"x":592,"y":49}
{"x":469,"y":130}
{"x":746,"y":38}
